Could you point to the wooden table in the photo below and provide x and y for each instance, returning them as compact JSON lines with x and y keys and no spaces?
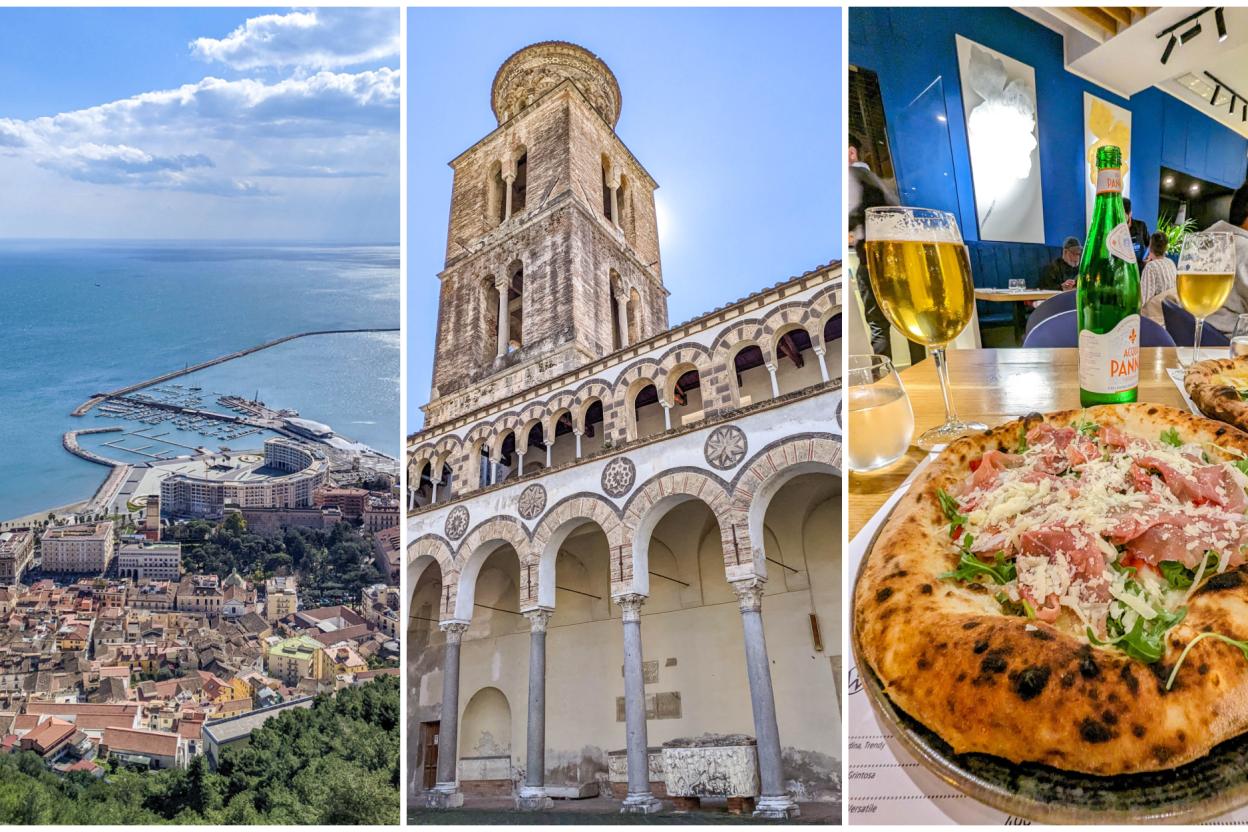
{"x":993,"y":387}
{"x":1018,"y":299}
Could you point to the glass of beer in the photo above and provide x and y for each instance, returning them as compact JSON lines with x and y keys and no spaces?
{"x":921,"y":274}
{"x":1206,"y":275}
{"x":881,"y":423}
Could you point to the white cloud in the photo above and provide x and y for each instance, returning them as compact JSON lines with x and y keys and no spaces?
{"x":207,"y":137}
{"x":310,"y":39}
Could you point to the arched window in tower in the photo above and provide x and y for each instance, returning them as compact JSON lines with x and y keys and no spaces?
{"x":832,"y":346}
{"x":624,"y":200}
{"x":595,"y":431}
{"x":634,"y":317}
{"x":520,"y":185}
{"x":496,"y":199}
{"x":535,"y":456}
{"x":617,"y":312}
{"x":515,"y":306}
{"x":489,"y":345}
{"x":607,"y":195}
{"x":507,"y":458}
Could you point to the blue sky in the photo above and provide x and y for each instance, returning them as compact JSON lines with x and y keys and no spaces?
{"x":734,"y":112}
{"x":271,"y":124}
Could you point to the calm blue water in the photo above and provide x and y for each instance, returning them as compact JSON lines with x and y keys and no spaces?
{"x":160,"y":306}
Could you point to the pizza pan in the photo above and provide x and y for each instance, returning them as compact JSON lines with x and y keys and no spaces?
{"x":1198,"y":791}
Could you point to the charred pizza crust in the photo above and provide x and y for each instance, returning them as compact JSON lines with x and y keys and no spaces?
{"x":1028,"y":691}
{"x":1214,"y":397}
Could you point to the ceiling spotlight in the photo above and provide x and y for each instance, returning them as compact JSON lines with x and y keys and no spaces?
{"x":1169,"y":180}
{"x":1165,"y":56}
{"x":1214,"y":99}
{"x":1232,"y":110}
{"x":1245,"y":116}
{"x":1189,"y":34}
{"x":1195,"y":187}
{"x":1221,"y":20}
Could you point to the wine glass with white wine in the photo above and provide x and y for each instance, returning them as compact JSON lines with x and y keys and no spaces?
{"x":921,"y":275}
{"x":1205,"y":276}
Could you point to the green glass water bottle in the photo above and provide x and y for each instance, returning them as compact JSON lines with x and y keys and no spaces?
{"x":1108,"y":295}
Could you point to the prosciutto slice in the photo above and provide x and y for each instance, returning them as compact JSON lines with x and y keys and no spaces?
{"x":990,"y":468}
{"x":1076,"y":547}
{"x":1169,"y":541}
{"x":1206,"y":484}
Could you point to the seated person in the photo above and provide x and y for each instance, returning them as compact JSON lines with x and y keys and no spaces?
{"x":1138,"y":229}
{"x":1157,"y":279}
{"x":1060,"y":275}
{"x":1236,"y":223}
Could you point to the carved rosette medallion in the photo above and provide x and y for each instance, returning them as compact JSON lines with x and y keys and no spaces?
{"x":457,"y":522}
{"x":725,"y":447}
{"x":532,"y":501}
{"x":618,"y":477}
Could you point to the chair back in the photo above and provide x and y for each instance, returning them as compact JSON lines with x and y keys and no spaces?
{"x":1062,"y":330}
{"x":1055,"y":305}
{"x":1181,"y":325}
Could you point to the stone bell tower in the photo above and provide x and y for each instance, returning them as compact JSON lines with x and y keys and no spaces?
{"x":552,"y":252}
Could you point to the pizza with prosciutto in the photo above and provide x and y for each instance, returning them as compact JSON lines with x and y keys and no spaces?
{"x":1219,"y":387}
{"x":1071,"y":590}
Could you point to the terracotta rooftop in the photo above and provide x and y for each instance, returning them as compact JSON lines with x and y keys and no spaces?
{"x":147,"y":743}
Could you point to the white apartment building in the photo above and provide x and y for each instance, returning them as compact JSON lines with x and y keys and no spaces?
{"x":83,"y":547}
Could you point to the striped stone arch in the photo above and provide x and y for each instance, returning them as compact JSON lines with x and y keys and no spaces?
{"x":465,"y":468}
{"x":781,"y":319}
{"x":435,"y":547}
{"x":565,"y":400}
{"x":533,"y":414}
{"x":537,"y":571}
{"x":627,"y":385}
{"x":595,"y":388}
{"x":500,"y":426}
{"x":763,"y":475}
{"x":723,"y":350}
{"x":825,"y":303}
{"x":649,"y":503}
{"x":416,"y":459}
{"x":687,"y":353}
{"x":480,"y":543}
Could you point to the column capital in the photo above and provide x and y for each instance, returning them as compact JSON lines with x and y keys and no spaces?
{"x":749,"y":594}
{"x":454,"y":631}
{"x":620,"y":295}
{"x":548,"y":442}
{"x":538,"y":619}
{"x":821,"y":350}
{"x":509,"y":177}
{"x":630,"y":605}
{"x":771,"y":368}
{"x":577,"y":432}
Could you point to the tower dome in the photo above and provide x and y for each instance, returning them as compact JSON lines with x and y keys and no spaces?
{"x":529,"y":73}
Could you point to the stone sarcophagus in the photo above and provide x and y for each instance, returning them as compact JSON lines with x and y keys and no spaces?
{"x":712,"y":765}
{"x":617,"y":771}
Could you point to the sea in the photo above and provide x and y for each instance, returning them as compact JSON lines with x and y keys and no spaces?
{"x":83,"y":317}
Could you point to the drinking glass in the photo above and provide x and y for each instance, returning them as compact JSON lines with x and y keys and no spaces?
{"x":1206,"y":275}
{"x":1239,"y":337}
{"x":881,"y":423}
{"x":921,"y":274}
{"x":1018,"y":284}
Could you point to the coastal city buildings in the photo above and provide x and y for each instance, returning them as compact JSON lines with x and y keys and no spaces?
{"x":77,"y":548}
{"x":17,"y":548}
{"x":285,"y":477}
{"x":157,"y":561}
{"x":586,"y":467}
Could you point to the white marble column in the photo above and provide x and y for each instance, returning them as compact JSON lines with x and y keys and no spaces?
{"x":639,"y":800}
{"x":434,"y":498}
{"x":533,"y":794}
{"x":775,"y":387}
{"x":578,"y":435}
{"x":823,"y":364}
{"x":621,"y":311}
{"x":775,"y":801}
{"x":520,"y":464}
{"x":508,"y":179}
{"x":548,"y":443}
{"x":493,"y":470}
{"x":615,"y":208}
{"x":504,"y":317}
{"x":667,"y":415}
{"x":446,"y":794}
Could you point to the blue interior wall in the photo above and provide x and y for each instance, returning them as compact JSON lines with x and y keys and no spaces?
{"x":910,"y":48}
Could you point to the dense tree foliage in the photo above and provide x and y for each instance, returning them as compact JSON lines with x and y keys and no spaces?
{"x":334,"y":564}
{"x":335,"y":763}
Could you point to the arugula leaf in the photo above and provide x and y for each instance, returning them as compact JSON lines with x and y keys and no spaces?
{"x":1171,"y":437}
{"x":1022,"y":444}
{"x":1242,"y":465}
{"x":1020,"y":608}
{"x":1242,"y":645}
{"x":1180,"y":577}
{"x":970,"y":567}
{"x":950,"y":507}
{"x":1087,"y":428}
{"x":1146,"y":641}
{"x":1130,"y":570}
